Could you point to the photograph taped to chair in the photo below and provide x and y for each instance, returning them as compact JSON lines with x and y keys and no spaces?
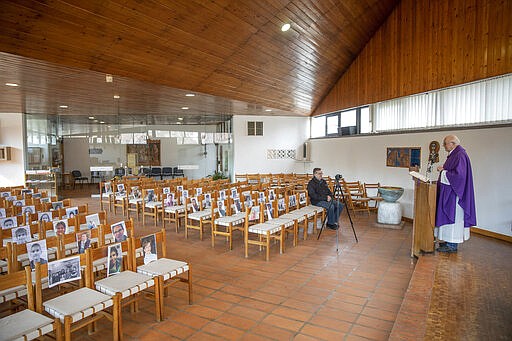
{"x":2,"y":212}
{"x":249,"y":203}
{"x":269,"y":211}
{"x":195,"y":204}
{"x":149,"y":249}
{"x":207,"y":202}
{"x":119,"y":231}
{"x":114,"y":259}
{"x":108,"y":188}
{"x":11,"y":198}
{"x":234,"y":193}
{"x":25,"y":191}
{"x":37,"y":195}
{"x":44,"y":200}
{"x":44,"y":216}
{"x":169,"y":200}
{"x":222,"y":194}
{"x":292,"y":201}
{"x":37,"y":252}
{"x":166,"y":190}
{"x":20,"y":202}
{"x":261,"y":197}
{"x":57,"y":204}
{"x":21,"y":235}
{"x":199,"y":191}
{"x":61,"y":227}
{"x":28,"y":209}
{"x":184,"y":196}
{"x":5,"y":194}
{"x":135,"y":193}
{"x":64,"y":270}
{"x":150,"y":195}
{"x":237,"y":205}
{"x":281,"y":206}
{"x":179,"y":188}
{"x":254,"y":214}
{"x":222,"y":208}
{"x":8,"y":222}
{"x":71,"y":212}
{"x":121,"y":190}
{"x":83,"y":241}
{"x":302,"y":198}
{"x":92,"y":220}
{"x":271,"y":195}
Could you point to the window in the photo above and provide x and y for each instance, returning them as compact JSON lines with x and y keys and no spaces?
{"x":484,"y":102}
{"x":255,"y":128}
{"x":347,"y":122}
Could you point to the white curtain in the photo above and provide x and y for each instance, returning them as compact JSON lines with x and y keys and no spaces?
{"x":486,"y":101}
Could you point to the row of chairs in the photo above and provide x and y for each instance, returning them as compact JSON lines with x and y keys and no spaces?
{"x":95,"y":297}
{"x":161,"y":172}
{"x":361,"y":197}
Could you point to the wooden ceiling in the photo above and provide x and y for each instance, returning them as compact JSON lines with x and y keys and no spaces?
{"x":230,"y":53}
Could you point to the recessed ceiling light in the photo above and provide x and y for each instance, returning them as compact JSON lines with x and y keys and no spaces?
{"x":63,"y":106}
{"x":178,"y":122}
{"x":91,"y":117}
{"x":11,"y":84}
{"x":102,"y":122}
{"x":268,"y":110}
{"x":95,"y":121}
{"x":184,"y":108}
{"x":108,"y":78}
{"x":285,"y":27}
{"x":117,"y":97}
{"x":190,"y":95}
{"x":180,"y":118}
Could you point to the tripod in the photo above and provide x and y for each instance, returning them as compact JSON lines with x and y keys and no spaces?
{"x":338,"y":192}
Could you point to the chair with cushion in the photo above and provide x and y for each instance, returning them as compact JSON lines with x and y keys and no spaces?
{"x":77,"y":177}
{"x":178,"y":173}
{"x":132,"y":285}
{"x":167,"y":171}
{"x":79,"y":308}
{"x":156,"y":172}
{"x":26,"y":324}
{"x":119,"y":172}
{"x":169,"y":270}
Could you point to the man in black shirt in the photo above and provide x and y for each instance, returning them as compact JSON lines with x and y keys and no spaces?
{"x":320,"y":195}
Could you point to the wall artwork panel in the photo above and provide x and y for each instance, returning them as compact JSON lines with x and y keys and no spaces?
{"x":405,"y":157}
{"x":147,"y":154}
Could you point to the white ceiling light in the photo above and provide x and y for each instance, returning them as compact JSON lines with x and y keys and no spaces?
{"x":180,"y":118}
{"x":63,"y":106}
{"x":184,"y":108}
{"x":117,"y":97}
{"x":109,"y":78}
{"x":11,"y":84}
{"x":285,"y":27}
{"x":268,"y":110}
{"x":190,"y":95}
{"x":178,"y":122}
{"x":102,"y":122}
{"x":91,"y":117}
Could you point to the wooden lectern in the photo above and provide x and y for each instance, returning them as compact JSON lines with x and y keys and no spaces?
{"x":424,"y":217}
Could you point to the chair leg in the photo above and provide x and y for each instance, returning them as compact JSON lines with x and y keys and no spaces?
{"x":190,"y":284}
{"x":67,"y":327}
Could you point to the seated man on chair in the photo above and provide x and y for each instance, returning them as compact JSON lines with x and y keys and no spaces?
{"x":320,"y":195}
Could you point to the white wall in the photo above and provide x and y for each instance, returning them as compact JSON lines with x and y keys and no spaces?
{"x":364,"y":158}
{"x":12,"y":173}
{"x":250,"y":152}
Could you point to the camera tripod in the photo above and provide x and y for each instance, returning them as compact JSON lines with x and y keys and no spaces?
{"x":338,"y":192}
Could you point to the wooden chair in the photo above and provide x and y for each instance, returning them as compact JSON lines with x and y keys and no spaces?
{"x":120,"y":199}
{"x":173,"y":214}
{"x":26,"y":324}
{"x":168,"y":270}
{"x":78,"y":308}
{"x":106,"y":195}
{"x":150,"y":205}
{"x":196,"y":220}
{"x":131,"y":285}
{"x":134,"y":203}
{"x":264,"y":231}
{"x":371,"y":191}
{"x":225,"y":225}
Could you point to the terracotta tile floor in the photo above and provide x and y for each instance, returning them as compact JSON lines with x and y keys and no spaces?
{"x":307,"y":293}
{"x":312,"y":293}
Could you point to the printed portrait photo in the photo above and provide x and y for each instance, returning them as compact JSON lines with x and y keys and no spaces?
{"x":21,"y":235}
{"x":119,"y":231}
{"x":148,"y":244}
{"x":37,"y":253}
{"x":114,"y":259}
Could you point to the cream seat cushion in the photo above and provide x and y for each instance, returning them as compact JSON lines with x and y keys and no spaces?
{"x":169,"y":268}
{"x":24,"y":325}
{"x":126,"y":282}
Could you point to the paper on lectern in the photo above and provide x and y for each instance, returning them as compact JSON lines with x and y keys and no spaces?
{"x":419,"y":176}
